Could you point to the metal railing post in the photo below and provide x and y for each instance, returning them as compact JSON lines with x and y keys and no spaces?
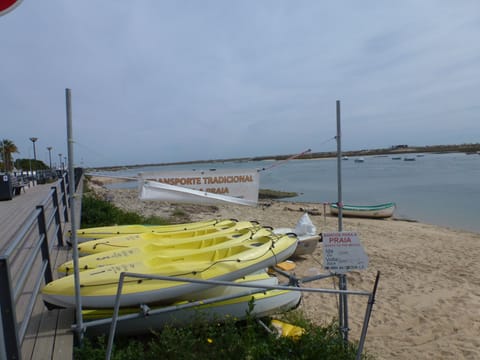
{"x":42,"y":228}
{"x":366,"y":321}
{"x":58,"y":222}
{"x":67,"y":190}
{"x":7,"y":312}
{"x":64,"y":199}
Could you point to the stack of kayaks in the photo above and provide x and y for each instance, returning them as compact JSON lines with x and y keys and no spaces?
{"x":223,"y":250}
{"x":138,"y":320}
{"x":166,"y":238}
{"x":142,"y":249}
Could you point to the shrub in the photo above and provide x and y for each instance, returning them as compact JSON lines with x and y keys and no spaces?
{"x":97,"y":212}
{"x":227,"y":340}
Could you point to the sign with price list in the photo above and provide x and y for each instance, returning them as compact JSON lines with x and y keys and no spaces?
{"x":343,"y":252}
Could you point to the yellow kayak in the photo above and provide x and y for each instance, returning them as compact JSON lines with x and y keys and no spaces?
{"x":257,"y":280}
{"x":135,"y":322}
{"x":109,"y":231}
{"x":125,"y":241}
{"x":139,"y":320}
{"x":163,"y":248}
{"x":98,"y":287}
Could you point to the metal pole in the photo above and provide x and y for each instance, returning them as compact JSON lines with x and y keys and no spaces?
{"x":3,"y":348}
{"x":34,"y":149}
{"x":343,"y":299}
{"x":339,"y":169}
{"x":4,"y":159}
{"x":33,"y":140}
{"x":71,"y":177}
{"x":368,"y":312}
{"x":49,"y":148}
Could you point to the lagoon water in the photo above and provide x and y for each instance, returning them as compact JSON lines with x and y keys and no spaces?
{"x":441,"y":189}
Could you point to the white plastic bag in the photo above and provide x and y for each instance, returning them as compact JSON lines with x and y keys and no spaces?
{"x":305,"y":226}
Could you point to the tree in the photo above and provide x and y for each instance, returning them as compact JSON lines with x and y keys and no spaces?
{"x":25,"y":164}
{"x":7,"y":148}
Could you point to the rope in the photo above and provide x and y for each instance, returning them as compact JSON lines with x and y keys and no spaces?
{"x":195,"y":272}
{"x":286,"y":160}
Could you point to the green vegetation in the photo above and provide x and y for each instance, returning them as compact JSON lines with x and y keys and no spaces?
{"x":27,"y":164}
{"x":227,"y":340}
{"x":7,"y":148}
{"x":275,"y":194}
{"x":180,"y":213}
{"x":98,"y":212}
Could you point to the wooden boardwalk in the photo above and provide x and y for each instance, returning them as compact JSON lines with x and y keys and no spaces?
{"x":48,"y":334}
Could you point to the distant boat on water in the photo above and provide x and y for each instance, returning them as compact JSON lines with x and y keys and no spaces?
{"x":409,"y":158}
{"x":396,"y":158}
{"x":360,"y":160}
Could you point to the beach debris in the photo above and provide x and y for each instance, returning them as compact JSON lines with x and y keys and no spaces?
{"x":305,"y":226}
{"x":288,"y":330}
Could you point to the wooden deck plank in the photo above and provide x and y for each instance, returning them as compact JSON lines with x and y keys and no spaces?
{"x":30,"y":340}
{"x":64,"y":338}
{"x":45,"y":339}
{"x":14,"y":212}
{"x":41,"y":340}
{"x":48,"y":334}
{"x":53,"y":338}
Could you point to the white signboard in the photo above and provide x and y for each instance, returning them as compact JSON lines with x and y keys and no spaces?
{"x":202,"y":186}
{"x":342,"y":252}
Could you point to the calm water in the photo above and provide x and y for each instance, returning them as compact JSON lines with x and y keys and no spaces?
{"x":441,"y":189}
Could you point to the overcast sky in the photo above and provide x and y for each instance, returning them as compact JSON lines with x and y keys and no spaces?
{"x":164,"y":81}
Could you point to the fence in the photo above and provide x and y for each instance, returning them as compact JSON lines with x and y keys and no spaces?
{"x":25,"y":266}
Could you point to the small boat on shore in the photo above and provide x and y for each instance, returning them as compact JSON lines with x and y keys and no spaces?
{"x":306,"y":232}
{"x":306,"y":243}
{"x":379,"y":211}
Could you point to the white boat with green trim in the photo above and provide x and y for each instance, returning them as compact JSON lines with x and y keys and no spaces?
{"x":379,"y":211}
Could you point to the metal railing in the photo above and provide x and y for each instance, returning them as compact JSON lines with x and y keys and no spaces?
{"x":25,"y":266}
{"x":294,"y":285}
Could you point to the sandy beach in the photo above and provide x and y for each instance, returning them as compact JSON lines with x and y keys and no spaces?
{"x":428,"y":300}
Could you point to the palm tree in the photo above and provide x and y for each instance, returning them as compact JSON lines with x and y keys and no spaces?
{"x":7,"y":148}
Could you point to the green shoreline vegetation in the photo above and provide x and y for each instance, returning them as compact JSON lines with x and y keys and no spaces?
{"x":226,"y":338}
{"x":275,"y":194}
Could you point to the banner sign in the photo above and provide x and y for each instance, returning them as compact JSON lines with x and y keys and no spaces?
{"x":203,"y":186}
{"x":342,"y":252}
